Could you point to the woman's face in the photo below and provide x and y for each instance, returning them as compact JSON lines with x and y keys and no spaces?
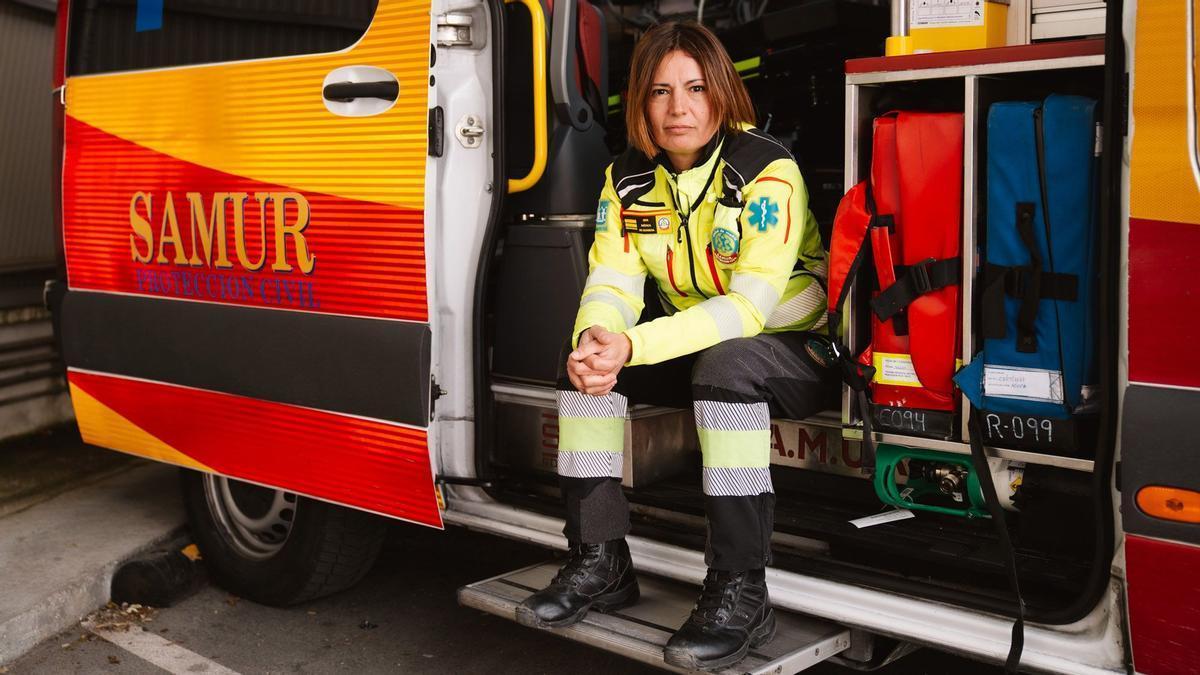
{"x":680,"y":117}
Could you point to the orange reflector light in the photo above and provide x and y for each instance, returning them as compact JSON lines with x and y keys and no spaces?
{"x":1170,"y":503}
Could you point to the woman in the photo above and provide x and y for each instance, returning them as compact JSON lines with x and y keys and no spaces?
{"x":716,"y":211}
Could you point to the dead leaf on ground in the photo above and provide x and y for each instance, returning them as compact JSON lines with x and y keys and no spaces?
{"x":113,"y":660}
{"x":121,"y":617}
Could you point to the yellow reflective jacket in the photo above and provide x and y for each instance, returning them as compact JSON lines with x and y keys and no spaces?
{"x":731,"y":243}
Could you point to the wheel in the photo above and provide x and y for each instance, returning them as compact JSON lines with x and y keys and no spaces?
{"x":274,"y":547}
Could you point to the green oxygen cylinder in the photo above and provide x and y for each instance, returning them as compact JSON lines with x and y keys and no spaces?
{"x":941,"y":482}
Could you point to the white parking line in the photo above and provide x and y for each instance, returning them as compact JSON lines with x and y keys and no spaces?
{"x":160,"y":651}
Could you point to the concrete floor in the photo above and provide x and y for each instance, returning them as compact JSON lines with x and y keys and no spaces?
{"x":401,"y":618}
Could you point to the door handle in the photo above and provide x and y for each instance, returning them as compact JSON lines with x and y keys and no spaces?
{"x":344,"y":92}
{"x":359,"y":91}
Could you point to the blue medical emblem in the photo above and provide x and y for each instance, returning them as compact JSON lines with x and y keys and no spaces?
{"x":763,"y":213}
{"x":725,"y":245}
{"x":602,"y":216}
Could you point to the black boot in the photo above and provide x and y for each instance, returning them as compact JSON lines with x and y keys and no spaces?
{"x":596,"y":576}
{"x":732,"y":615}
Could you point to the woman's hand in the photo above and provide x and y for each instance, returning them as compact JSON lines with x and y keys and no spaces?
{"x":593,"y":366}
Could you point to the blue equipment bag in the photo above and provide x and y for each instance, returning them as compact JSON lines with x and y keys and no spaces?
{"x":1038,"y":281}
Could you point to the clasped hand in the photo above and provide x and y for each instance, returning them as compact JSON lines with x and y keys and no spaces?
{"x":594,"y":364}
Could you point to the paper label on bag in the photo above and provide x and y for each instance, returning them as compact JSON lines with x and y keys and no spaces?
{"x":1027,"y":384}
{"x":894,"y":369}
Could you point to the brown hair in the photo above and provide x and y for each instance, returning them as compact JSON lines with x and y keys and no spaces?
{"x":726,"y":94}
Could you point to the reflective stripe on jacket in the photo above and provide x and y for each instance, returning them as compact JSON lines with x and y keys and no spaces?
{"x":747,"y":260}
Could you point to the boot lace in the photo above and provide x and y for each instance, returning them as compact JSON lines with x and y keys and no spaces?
{"x":578,"y":565}
{"x":717,"y":598}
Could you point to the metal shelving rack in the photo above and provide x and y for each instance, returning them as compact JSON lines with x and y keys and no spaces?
{"x":984,"y":76}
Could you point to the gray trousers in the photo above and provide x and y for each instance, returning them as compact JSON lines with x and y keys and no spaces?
{"x":734,"y":389}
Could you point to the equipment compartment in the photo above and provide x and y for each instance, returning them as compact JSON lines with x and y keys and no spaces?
{"x":1076,"y":434}
{"x":967,"y":82}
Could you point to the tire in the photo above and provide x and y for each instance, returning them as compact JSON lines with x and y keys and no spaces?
{"x":274,"y":547}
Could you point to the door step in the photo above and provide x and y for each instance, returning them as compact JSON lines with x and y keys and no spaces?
{"x":640,"y":632}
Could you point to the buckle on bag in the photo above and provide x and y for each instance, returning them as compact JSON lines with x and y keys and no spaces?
{"x":919,"y":274}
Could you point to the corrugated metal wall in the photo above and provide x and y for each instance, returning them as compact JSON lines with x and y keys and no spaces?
{"x":32,"y":389}
{"x":26,"y":206}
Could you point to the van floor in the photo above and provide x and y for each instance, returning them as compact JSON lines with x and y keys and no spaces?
{"x":940,"y":557}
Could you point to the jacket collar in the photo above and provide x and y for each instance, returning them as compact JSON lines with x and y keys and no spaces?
{"x":702,"y":165}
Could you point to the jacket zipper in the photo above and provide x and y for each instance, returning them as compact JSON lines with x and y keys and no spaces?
{"x":683,"y":227}
{"x":712,"y":268}
{"x":671,"y":272}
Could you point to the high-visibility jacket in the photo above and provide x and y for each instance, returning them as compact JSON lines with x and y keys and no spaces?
{"x":731,"y":243}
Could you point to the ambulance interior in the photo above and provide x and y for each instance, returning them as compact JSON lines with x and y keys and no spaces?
{"x":791,"y":56}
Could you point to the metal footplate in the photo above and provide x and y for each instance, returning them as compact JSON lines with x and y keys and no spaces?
{"x":640,"y":632}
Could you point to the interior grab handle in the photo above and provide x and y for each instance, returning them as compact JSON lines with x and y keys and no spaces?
{"x":538,"y":31}
{"x":564,"y":82}
{"x":387,"y":90}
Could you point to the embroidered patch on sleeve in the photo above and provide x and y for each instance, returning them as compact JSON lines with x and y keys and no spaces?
{"x":764,"y":213}
{"x":602,"y":216}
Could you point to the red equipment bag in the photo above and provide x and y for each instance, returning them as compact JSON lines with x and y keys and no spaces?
{"x":909,"y":215}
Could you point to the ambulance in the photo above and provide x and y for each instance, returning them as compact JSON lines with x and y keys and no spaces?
{"x":323,"y":256}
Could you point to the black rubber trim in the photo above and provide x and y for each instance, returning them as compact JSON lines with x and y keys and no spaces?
{"x":480,"y":334}
{"x":368,"y":367}
{"x":1107,"y":325}
{"x":1154,"y":438}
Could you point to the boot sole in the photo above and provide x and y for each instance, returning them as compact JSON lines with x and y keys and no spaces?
{"x":608,"y":602}
{"x":684,"y":659}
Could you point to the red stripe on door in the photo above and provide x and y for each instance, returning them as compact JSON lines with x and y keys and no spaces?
{"x":1164,"y":605}
{"x":366,"y":463}
{"x":1164,"y":302}
{"x":369,"y":258}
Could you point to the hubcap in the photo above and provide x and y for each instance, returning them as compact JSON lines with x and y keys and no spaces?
{"x":255,"y":521}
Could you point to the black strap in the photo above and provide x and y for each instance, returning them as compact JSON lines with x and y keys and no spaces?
{"x":914,"y":281}
{"x":1027,"y":314}
{"x":857,"y":377}
{"x":1002,"y":281}
{"x":868,"y":440}
{"x":988,"y":487}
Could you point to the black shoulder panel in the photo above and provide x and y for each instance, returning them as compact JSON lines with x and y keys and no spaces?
{"x":747,"y":154}
{"x":632,"y":175}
